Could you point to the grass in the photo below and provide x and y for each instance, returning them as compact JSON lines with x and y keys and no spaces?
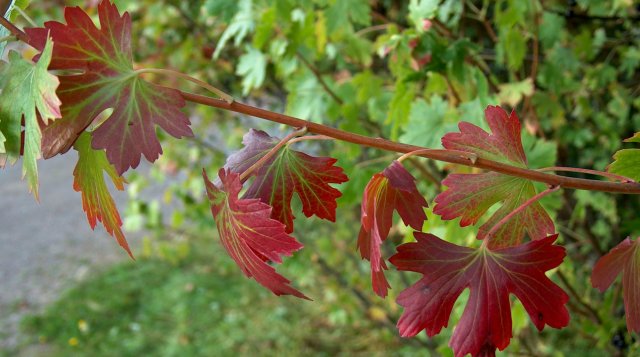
{"x":203,"y":306}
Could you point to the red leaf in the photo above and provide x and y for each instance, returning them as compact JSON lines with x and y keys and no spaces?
{"x":287,"y":172}
{"x":392,"y":189}
{"x":625,"y":258}
{"x":107,"y":81}
{"x":470,"y":195}
{"x":490,"y":275}
{"x":249,"y":236}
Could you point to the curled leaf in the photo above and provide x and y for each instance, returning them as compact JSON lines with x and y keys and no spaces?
{"x":249,"y":235}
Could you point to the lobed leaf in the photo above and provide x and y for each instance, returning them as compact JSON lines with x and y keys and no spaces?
{"x":490,"y":275}
{"x":287,"y":172}
{"x":625,"y":259}
{"x":470,"y":196}
{"x":627,"y":161}
{"x":29,"y":93}
{"x":392,"y":189}
{"x":249,"y":235}
{"x":96,"y":199}
{"x":106,"y":81}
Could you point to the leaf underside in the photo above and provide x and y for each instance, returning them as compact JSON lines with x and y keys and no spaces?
{"x":392,"y":189}
{"x":287,"y":172}
{"x":249,"y":235}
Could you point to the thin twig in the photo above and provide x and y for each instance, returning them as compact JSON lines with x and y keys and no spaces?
{"x":321,"y":80}
{"x":21,"y":35}
{"x":578,"y":299}
{"x":258,"y":164}
{"x":441,"y":155}
{"x":590,"y":172}
{"x":520,"y":208}
{"x":467,"y":155}
{"x":168,"y":72}
{"x":309,"y":137}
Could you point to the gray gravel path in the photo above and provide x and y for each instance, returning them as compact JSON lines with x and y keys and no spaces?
{"x":45,"y":247}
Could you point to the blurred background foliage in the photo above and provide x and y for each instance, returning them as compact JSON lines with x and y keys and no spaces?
{"x":404,"y":70}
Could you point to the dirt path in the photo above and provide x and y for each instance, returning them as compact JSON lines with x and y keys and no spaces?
{"x":45,"y":247}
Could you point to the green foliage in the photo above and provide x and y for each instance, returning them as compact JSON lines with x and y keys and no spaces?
{"x":570,"y":71}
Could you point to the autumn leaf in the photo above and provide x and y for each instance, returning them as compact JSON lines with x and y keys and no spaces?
{"x":29,"y":93}
{"x":470,"y":196}
{"x":490,"y":275}
{"x":106,"y":81}
{"x":96,"y":199}
{"x":287,"y":172}
{"x":249,"y":235}
{"x":625,"y":258}
{"x":392,"y":189}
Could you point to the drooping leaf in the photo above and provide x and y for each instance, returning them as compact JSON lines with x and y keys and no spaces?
{"x":471,"y":195}
{"x":29,"y":93}
{"x":107,"y":81}
{"x":90,"y":182}
{"x":490,"y":275}
{"x":625,"y":258}
{"x":287,"y":172}
{"x":249,"y":236}
{"x":627,"y":161}
{"x":392,"y":189}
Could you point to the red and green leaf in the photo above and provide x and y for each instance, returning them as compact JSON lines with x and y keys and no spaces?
{"x":392,"y":189}
{"x":249,"y":235}
{"x":625,"y":258}
{"x":90,"y":182}
{"x":29,"y":93}
{"x":470,"y":196}
{"x":106,"y":80}
{"x":287,"y":172}
{"x":490,"y":275}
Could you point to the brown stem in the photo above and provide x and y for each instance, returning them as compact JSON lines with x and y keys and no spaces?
{"x":467,"y":155}
{"x":578,"y":299}
{"x":520,"y":208}
{"x":21,"y":35}
{"x":442,"y":155}
{"x":258,"y":164}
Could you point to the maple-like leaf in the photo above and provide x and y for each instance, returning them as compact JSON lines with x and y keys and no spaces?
{"x":90,"y":182}
{"x":627,"y":161}
{"x":29,"y":93}
{"x":248,"y":233}
{"x":107,"y":81}
{"x":625,"y":258}
{"x":490,"y":275}
{"x":392,"y":189}
{"x":287,"y":172}
{"x":469,"y":196}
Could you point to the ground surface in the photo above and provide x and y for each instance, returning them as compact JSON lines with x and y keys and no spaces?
{"x":45,"y":247}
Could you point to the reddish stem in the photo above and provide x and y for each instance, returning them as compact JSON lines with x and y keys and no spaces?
{"x":590,"y":172}
{"x":21,"y":35}
{"x":310,"y":137}
{"x":440,"y":155}
{"x":520,"y":208}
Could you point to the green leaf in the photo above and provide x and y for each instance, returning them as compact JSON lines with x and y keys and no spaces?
{"x":252,"y":67}
{"x":240,"y":26}
{"x":420,"y":10}
{"x":513,"y":93}
{"x":627,"y":163}
{"x":27,"y":87}
{"x":96,"y":199}
{"x":428,"y":123}
{"x":515,"y":47}
{"x":400,"y":106}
